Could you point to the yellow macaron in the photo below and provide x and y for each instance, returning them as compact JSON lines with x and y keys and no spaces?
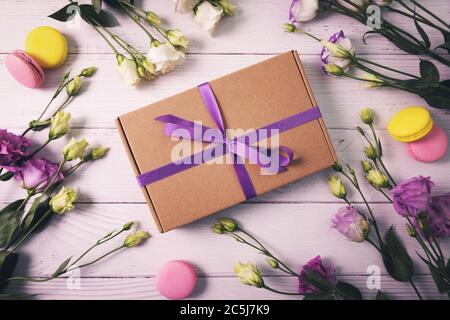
{"x":48,"y":46}
{"x":410,"y":124}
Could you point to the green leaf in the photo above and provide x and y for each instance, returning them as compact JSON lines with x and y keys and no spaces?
{"x":12,"y":206}
{"x":439,"y":279}
{"x":320,"y":283}
{"x":65,"y":13}
{"x":422,"y":33}
{"x":319,"y":296}
{"x":105,"y":19}
{"x":61,"y":267}
{"x":97,"y":4}
{"x":9,"y":226}
{"x":429,"y":73}
{"x":439,"y":97}
{"x":382,"y":296}
{"x":8,"y":262}
{"x":13,"y":296}
{"x":448,"y":268}
{"x":6,"y":176}
{"x":348,"y":291}
{"x":396,"y":259}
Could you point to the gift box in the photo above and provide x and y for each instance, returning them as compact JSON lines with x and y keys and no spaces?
{"x":272,"y":99}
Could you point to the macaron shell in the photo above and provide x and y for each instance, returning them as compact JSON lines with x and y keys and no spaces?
{"x":410,"y":124}
{"x":24,"y":69}
{"x":48,"y":46}
{"x":176,"y":279}
{"x":432,"y":147}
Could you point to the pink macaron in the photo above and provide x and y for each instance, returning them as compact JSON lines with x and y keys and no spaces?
{"x":176,"y":279}
{"x":430,"y":148}
{"x":24,"y":69}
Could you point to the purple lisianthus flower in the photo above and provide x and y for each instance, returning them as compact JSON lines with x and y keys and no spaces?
{"x":303,"y":10}
{"x":12,"y":147}
{"x":351,"y":224}
{"x":412,"y":197}
{"x":327,"y":58}
{"x":315,"y":265}
{"x":36,"y":173}
{"x":438,"y":217}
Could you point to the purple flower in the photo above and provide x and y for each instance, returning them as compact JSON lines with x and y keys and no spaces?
{"x":36,"y":173}
{"x":412,"y":197}
{"x":351,"y":224}
{"x":315,"y":265}
{"x":327,"y":58}
{"x":12,"y":147}
{"x":438,"y":217}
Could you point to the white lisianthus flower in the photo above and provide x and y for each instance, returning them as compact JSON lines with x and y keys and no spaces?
{"x":128,"y":70}
{"x":165,"y":57}
{"x":337,"y":51}
{"x":303,"y":10}
{"x":208,"y":15}
{"x":184,"y":6}
{"x":358,"y":3}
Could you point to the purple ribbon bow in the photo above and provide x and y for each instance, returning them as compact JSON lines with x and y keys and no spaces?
{"x":238,"y":147}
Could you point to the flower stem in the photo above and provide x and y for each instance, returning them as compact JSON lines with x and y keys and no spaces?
{"x":95,"y":25}
{"x":282,"y":292}
{"x":415,"y":289}
{"x":387,"y":68}
{"x":130,"y":13}
{"x":96,"y":260}
{"x":430,"y":13}
{"x":39,"y":149}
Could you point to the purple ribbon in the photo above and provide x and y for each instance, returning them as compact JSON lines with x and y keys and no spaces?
{"x":238,"y":147}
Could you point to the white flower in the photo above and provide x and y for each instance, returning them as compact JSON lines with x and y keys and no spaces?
{"x":128,"y":70}
{"x":338,"y":51}
{"x":303,"y":10}
{"x":208,"y":15}
{"x":358,"y":3}
{"x":184,"y":6}
{"x":165,"y":57}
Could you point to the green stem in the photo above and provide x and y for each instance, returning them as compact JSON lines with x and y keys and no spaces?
{"x":39,"y":149}
{"x":387,"y":68}
{"x":96,"y":260}
{"x":25,"y":201}
{"x":95,"y":25}
{"x":430,"y":13}
{"x":282,"y":292}
{"x":415,"y":289}
{"x":130,"y":13}
{"x":420,"y":18}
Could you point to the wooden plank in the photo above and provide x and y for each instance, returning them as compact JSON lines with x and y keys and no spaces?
{"x":106,"y":96}
{"x":111,"y":179}
{"x":207,"y":288}
{"x":254,"y":29}
{"x":296,"y":232}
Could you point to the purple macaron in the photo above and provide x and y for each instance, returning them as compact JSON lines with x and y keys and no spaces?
{"x":24,"y":69}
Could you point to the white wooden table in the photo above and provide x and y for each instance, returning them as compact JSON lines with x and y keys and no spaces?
{"x":293,"y":220}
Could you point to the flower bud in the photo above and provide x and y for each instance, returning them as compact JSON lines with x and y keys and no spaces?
{"x":136,"y":239}
{"x":371,"y":152}
{"x":366,"y":166}
{"x":333,"y":69}
{"x":228,"y":7}
{"x":337,"y":188}
{"x":336,"y":50}
{"x":366,"y":116}
{"x":377,"y":179}
{"x":73,"y":87}
{"x":98,"y":152}
{"x":63,"y":201}
{"x":120,"y":58}
{"x":153,"y":18}
{"x":411,"y":230}
{"x":177,"y":39}
{"x":75,"y":149}
{"x":372,"y":81}
{"x":289,"y":27}
{"x":337,"y":166}
{"x":360,"y":130}
{"x":273,"y":263}
{"x":248,"y":274}
{"x":217,"y":228}
{"x":127,"y":226}
{"x":228,"y":224}
{"x":351,"y":170}
{"x":59,"y":125}
{"x":87,"y":72}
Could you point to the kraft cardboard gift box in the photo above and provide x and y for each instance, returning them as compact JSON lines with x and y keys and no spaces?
{"x":250,"y":98}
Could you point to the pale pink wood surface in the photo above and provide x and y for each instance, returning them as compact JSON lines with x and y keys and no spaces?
{"x":293,"y":220}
